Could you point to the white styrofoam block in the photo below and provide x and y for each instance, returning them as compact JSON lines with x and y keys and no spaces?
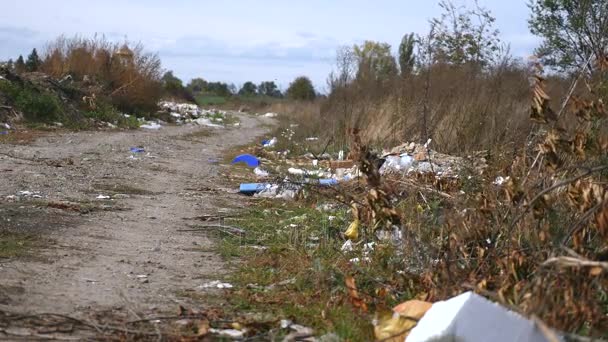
{"x":472,"y":318}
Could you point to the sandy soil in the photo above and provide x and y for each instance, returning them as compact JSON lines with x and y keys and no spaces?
{"x":122,"y":254}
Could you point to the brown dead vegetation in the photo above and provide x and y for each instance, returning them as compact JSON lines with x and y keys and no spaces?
{"x":124,"y":73}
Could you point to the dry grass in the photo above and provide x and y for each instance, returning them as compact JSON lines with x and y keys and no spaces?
{"x":125,"y":73}
{"x":466,"y":110}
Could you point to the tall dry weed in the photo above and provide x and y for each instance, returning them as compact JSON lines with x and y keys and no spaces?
{"x":125,"y":73}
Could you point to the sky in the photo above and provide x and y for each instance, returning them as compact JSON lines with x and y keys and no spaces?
{"x":236,"y":41}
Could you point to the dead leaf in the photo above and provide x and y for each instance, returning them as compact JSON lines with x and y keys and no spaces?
{"x":595,"y":271}
{"x":395,"y":326}
{"x":355,"y":299}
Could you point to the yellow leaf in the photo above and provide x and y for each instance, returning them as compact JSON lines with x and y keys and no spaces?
{"x":352,"y":233}
{"x":595,"y":271}
{"x":396,"y":325}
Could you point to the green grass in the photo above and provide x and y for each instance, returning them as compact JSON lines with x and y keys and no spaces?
{"x":302,"y":245}
{"x":210,"y":100}
{"x":107,"y":113}
{"x":35,"y":105}
{"x":14,"y":245}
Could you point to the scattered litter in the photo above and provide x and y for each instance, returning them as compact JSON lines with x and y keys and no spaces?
{"x":26,"y":193}
{"x":216,"y":284}
{"x":412,"y":157}
{"x":285,"y":191}
{"x":328,"y":182}
{"x":269,"y":143}
{"x":294,"y":171}
{"x":248,"y":159}
{"x":500,"y":180}
{"x":300,"y":333}
{"x":3,"y":132}
{"x":252,"y":188}
{"x":396,"y":326}
{"x":397,"y":163}
{"x":213,"y":160}
{"x":230,"y":333}
{"x":285,"y":323}
{"x":137,"y":149}
{"x":358,"y":260}
{"x":470,"y":317}
{"x":102,"y":197}
{"x":312,"y":139}
{"x":260,"y":172}
{"x":271,"y":115}
{"x":347,"y":246}
{"x":142,"y":276}
{"x":151,"y":125}
{"x":206,"y":122}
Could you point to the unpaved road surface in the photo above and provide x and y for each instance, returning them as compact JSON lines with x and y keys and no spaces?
{"x":125,"y":253}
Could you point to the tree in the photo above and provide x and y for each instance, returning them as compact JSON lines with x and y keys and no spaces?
{"x":33,"y":61}
{"x":197,"y":85}
{"x":10,"y":65}
{"x":172,"y":83}
{"x":301,"y":89}
{"x":464,"y":36}
{"x":572,"y":30}
{"x":375,"y":61}
{"x":173,"y":86}
{"x":218,"y":88}
{"x":346,"y":67}
{"x":407,"y":58}
{"x":248,"y":89}
{"x":269,"y":88}
{"x":19,"y":65}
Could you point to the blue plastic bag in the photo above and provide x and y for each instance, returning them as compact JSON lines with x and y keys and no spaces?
{"x":248,"y":159}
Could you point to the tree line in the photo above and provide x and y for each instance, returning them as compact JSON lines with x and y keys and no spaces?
{"x":300,"y":89}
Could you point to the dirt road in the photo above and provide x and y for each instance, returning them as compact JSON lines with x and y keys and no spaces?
{"x":124,"y":253}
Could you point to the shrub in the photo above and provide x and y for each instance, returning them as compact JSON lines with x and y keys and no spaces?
{"x":107,"y":113}
{"x":129,"y":76}
{"x":35,"y":105}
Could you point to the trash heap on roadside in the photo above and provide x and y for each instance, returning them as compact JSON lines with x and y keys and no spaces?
{"x":187,"y":113}
{"x":412,"y":157}
{"x":329,"y":169}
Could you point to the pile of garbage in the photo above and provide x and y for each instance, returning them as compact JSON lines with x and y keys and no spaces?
{"x":413,"y":157}
{"x":188,"y":113}
{"x":334,"y":168}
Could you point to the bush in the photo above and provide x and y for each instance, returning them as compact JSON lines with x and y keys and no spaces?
{"x":129,"y":76}
{"x":35,"y":105}
{"x":107,"y":113}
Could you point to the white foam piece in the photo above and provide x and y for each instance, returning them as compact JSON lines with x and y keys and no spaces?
{"x":472,"y":318}
{"x":151,"y":125}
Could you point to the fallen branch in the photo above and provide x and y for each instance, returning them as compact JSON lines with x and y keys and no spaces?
{"x":555,"y":186}
{"x":580,"y":223}
{"x":578,"y":262}
{"x":224,"y":228}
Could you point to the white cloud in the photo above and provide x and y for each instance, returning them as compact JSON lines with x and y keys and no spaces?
{"x":238,"y":40}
